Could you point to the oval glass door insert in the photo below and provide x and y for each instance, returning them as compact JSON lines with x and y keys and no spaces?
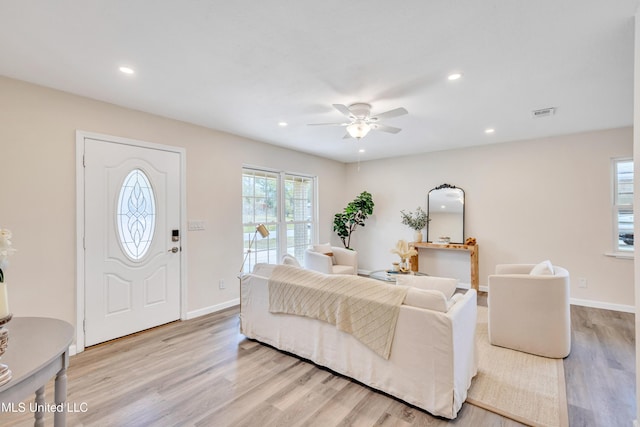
{"x":136,"y":214}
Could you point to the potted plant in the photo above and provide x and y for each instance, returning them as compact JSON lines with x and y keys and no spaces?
{"x":416,"y":222}
{"x":355,"y":214}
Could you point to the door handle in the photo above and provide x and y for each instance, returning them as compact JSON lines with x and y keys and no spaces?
{"x":174,"y":249}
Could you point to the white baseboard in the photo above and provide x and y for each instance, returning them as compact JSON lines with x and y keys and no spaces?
{"x":603,"y":305}
{"x":73,"y":350}
{"x":212,"y":309}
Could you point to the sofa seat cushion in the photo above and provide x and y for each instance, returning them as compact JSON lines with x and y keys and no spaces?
{"x":343,"y":269}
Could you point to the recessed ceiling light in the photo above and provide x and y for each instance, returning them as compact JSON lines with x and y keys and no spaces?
{"x":454,"y":76}
{"x":283,"y":124}
{"x":126,"y":70}
{"x":490,"y":130}
{"x":361,"y":150}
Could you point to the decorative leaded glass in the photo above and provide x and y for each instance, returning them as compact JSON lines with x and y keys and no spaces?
{"x":136,"y":214}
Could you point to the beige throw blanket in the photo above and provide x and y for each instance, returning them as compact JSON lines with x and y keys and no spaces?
{"x":364,"y":308}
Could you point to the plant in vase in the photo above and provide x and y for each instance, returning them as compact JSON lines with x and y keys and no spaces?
{"x":416,"y":222}
{"x":403,"y":250}
{"x":5,"y":251}
{"x":355,"y":214}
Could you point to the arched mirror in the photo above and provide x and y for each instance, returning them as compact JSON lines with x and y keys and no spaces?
{"x":445,"y":207}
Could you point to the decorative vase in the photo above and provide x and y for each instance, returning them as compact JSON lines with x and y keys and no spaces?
{"x":4,"y":301}
{"x":5,"y":372}
{"x":418,"y":236}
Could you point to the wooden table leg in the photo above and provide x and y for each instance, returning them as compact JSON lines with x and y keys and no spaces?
{"x":39,"y":413}
{"x":60,"y":417}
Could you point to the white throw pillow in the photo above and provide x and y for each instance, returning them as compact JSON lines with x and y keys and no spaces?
{"x":545,"y":268}
{"x":290,"y":260}
{"x":445,"y":285}
{"x":325,"y":249}
{"x":429,"y":299}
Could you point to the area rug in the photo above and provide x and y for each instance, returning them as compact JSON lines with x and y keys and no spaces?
{"x":526,"y":388}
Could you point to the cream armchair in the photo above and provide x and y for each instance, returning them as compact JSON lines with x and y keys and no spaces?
{"x":331,"y":260}
{"x":530,"y":312}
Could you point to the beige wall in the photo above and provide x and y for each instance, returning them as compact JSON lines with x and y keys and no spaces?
{"x":38,"y":199}
{"x":525,"y":202}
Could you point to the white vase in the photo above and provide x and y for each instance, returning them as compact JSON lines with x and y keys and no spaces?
{"x":417,"y":237}
{"x":4,"y":301}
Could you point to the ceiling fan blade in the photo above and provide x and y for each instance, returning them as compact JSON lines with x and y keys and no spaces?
{"x":385,"y":128}
{"x":343,"y":109}
{"x":391,"y":113}
{"x":327,"y":124}
{"x":346,"y":136}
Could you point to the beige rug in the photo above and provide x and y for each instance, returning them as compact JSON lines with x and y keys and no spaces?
{"x":526,"y":388}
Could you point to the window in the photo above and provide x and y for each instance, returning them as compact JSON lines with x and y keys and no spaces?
{"x":285,"y":204}
{"x":136,"y":214}
{"x":623,"y":204}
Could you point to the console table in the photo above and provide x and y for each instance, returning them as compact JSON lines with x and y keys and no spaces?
{"x":473,"y":254}
{"x":38,"y":349}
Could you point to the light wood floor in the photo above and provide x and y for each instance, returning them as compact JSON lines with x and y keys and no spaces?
{"x":202,"y":372}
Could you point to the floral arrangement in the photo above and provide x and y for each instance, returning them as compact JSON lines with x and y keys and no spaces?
{"x":5,"y":250}
{"x":415,"y":221}
{"x":403,"y":250}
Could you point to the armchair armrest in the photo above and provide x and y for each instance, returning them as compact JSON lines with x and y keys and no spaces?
{"x":346,"y":257}
{"x":318,"y":262}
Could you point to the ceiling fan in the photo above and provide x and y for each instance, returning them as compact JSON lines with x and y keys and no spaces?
{"x":361,"y":121}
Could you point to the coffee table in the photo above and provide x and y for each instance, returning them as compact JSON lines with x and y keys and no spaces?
{"x":390,"y":276}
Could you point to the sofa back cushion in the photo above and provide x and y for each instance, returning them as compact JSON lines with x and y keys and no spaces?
{"x":290,"y":260}
{"x":429,"y":299}
{"x":263,"y":269}
{"x":445,"y":285}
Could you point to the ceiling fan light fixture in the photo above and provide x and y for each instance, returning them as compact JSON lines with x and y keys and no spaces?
{"x":358,"y":129}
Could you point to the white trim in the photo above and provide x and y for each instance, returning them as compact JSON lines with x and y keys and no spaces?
{"x":614,"y":203}
{"x":212,"y":309}
{"x":80,"y":220}
{"x":604,"y":305}
{"x":620,"y":255}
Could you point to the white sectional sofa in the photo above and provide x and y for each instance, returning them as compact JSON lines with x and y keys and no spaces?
{"x":433,"y":353}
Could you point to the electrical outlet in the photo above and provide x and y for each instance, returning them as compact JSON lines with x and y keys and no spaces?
{"x":194,"y":225}
{"x":221,"y":284}
{"x":582,"y":282}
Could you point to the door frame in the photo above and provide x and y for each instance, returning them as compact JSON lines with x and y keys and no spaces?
{"x":80,"y":222}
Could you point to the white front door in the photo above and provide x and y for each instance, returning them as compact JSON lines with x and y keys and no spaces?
{"x":132,"y":256}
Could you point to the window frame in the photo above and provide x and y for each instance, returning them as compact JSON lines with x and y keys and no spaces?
{"x":277,"y":245}
{"x":618,"y":207}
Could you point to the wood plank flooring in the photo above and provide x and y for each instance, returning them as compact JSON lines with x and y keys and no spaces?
{"x":203,"y":372}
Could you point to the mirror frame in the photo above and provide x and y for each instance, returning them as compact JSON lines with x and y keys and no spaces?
{"x":442,"y":187}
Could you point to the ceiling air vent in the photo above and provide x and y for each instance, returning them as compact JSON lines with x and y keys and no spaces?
{"x":544,"y":112}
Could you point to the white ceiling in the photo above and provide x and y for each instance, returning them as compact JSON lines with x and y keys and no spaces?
{"x":243,"y":66}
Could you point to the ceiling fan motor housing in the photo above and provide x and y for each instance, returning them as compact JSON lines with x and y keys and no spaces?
{"x":360,"y":110}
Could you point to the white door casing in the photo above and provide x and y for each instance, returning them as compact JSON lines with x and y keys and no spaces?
{"x":124,"y":294}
